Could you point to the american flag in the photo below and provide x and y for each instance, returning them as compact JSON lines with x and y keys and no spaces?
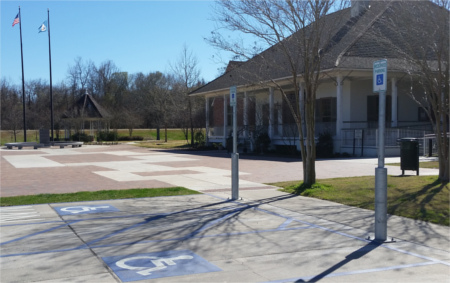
{"x":16,"y":20}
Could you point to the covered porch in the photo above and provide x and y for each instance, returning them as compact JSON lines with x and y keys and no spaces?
{"x":346,"y":108}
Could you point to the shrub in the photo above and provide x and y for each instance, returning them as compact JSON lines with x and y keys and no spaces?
{"x":107,"y":136}
{"x":199,"y":138}
{"x":262,"y":142}
{"x":324,"y":146}
{"x":82,"y":137}
{"x":133,"y":138}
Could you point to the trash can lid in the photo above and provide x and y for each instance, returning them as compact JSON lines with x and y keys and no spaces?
{"x":409,"y":139}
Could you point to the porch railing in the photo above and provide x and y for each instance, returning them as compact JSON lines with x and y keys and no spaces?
{"x":369,"y":137}
{"x":424,"y":126}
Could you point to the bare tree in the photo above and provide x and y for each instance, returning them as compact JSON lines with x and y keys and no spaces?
{"x":418,"y":34}
{"x":155,"y":97}
{"x":79,"y":76}
{"x":187,"y":73}
{"x":299,"y":34}
{"x":11,"y":108}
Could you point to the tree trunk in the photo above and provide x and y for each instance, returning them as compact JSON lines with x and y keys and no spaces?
{"x":157,"y":133}
{"x":443,"y":170}
{"x":310,"y":173}
{"x":165,"y":133}
{"x":191,"y":122}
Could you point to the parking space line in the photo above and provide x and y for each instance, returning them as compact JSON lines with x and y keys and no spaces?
{"x":34,"y":223}
{"x":18,"y":214}
{"x":338,"y":274}
{"x":233,"y":208}
{"x":40,"y":232}
{"x":126,"y":229}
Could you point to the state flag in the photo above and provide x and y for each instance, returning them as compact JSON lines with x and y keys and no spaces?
{"x":43,"y":27}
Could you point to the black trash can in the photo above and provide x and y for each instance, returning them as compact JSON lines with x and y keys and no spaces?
{"x":409,"y":155}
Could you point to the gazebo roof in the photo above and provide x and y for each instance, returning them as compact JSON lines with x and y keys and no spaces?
{"x":87,"y":107}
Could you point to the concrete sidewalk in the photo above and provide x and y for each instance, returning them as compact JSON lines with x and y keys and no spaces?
{"x":268,"y":236}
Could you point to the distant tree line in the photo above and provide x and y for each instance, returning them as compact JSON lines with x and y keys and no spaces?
{"x":153,"y":100}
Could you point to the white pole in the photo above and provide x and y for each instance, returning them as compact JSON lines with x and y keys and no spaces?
{"x":245,"y":116}
{"x":234,"y":155}
{"x":207,"y":119}
{"x":381,"y":176}
{"x":394,"y":103}
{"x":225,"y":118}
{"x":339,"y":94}
{"x":271,"y":114}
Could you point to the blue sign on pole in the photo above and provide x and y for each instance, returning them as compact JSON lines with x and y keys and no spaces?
{"x":379,"y":75}
{"x":233,"y":91}
{"x":380,"y":79}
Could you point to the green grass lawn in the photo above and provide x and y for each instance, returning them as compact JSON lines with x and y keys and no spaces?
{"x":172,"y":134}
{"x":417,"y":197}
{"x":180,"y":144}
{"x":98,"y":195}
{"x":147,"y":134}
{"x":427,"y":164}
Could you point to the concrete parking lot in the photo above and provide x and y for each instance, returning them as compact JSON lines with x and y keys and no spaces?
{"x":267,"y":236}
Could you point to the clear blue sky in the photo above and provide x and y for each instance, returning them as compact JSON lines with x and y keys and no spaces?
{"x":138,"y":36}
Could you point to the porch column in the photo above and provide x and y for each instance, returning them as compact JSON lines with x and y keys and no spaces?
{"x":207,"y":119}
{"x":225,"y":118}
{"x":245,"y":116}
{"x":339,"y":94}
{"x":271,"y":114}
{"x":301,"y":99}
{"x":280,"y":120}
{"x":394,"y":103}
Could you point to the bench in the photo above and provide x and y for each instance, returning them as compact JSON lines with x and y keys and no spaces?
{"x":63,"y":144}
{"x":36,"y":145}
{"x":20,"y":145}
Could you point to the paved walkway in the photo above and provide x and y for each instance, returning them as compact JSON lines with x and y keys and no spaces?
{"x":91,"y":168}
{"x":268,"y":236}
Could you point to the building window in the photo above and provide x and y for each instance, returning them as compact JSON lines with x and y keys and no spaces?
{"x":288,"y":118}
{"x":422,"y":116}
{"x":373,"y":106}
{"x":326,"y":109}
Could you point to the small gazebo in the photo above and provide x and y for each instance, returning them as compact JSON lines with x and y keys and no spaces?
{"x":85,"y":113}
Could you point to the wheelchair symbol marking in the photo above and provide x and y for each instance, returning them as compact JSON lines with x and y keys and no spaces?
{"x":159,"y":263}
{"x":78,"y":209}
{"x":136,"y":267}
{"x":85,"y":209}
{"x":380,"y":79}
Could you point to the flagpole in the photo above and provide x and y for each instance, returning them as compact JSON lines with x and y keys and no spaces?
{"x":23,"y":81}
{"x":50,"y":63}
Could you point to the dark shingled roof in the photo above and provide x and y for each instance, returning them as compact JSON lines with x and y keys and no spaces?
{"x":350,"y":43}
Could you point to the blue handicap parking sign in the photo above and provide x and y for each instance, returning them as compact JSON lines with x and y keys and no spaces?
{"x":84,"y":209}
{"x":380,"y":79}
{"x":159,"y":264}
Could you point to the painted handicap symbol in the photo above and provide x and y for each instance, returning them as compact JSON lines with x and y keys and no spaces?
{"x":78,"y":209}
{"x":159,"y":263}
{"x":84,"y":209}
{"x":136,"y":267}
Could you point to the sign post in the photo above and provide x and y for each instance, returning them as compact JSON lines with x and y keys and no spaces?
{"x":379,"y":85}
{"x":234,"y":155}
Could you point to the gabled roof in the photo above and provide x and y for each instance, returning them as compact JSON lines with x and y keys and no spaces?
{"x":87,"y":107}
{"x":350,"y":46}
